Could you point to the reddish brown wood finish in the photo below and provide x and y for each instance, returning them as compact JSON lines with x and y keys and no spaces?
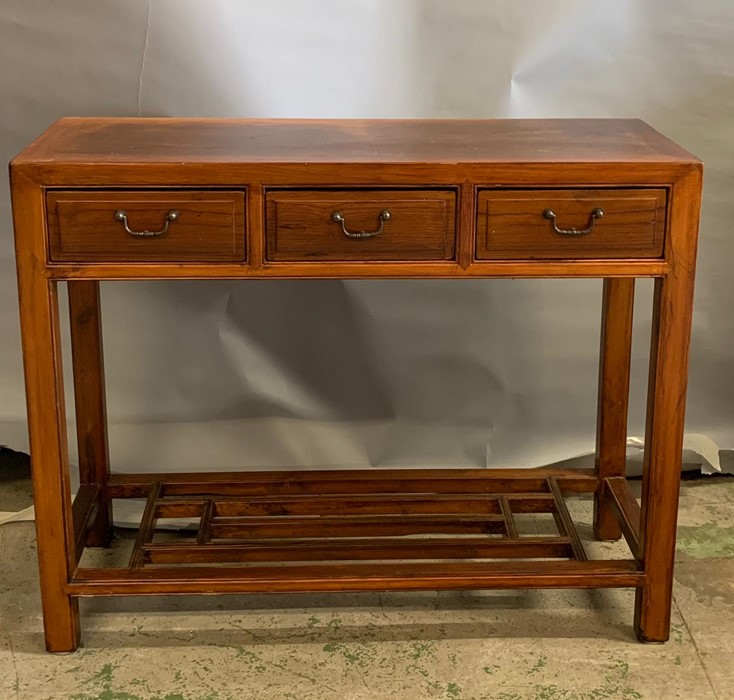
{"x":626,"y":509}
{"x":299,"y":225}
{"x":357,"y":577}
{"x":614,"y":387}
{"x":39,"y":324}
{"x":666,"y":405}
{"x":438,"y":174}
{"x":346,"y":481}
{"x":82,"y":226}
{"x":85,"y":323}
{"x":511,"y":225}
{"x":295,"y":142}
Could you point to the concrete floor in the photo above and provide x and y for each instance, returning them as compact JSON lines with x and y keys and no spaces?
{"x":553,"y":645}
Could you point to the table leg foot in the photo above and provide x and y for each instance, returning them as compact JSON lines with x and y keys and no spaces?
{"x":61,"y":623}
{"x":652,"y":614}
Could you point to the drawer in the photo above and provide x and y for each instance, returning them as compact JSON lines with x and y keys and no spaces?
{"x":399,"y":225}
{"x":145,"y":226}
{"x":567,"y":224}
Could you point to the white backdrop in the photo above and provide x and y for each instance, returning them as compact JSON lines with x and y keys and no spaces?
{"x":380,"y":373}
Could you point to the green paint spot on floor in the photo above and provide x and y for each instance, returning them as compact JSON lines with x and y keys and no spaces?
{"x":349,"y":655}
{"x":676,"y":632}
{"x":707,"y":541}
{"x":102,"y":681}
{"x":421,"y":649}
{"x":453,"y":690}
{"x":540,"y":663}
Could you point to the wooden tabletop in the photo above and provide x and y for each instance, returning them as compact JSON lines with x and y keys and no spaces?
{"x":80,"y":140}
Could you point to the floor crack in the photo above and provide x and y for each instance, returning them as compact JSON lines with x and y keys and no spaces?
{"x":697,"y":650}
{"x":16,"y":685}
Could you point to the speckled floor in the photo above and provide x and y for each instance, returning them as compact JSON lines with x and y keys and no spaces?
{"x":553,"y":645}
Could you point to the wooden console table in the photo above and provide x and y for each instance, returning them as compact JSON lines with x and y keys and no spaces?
{"x":111,"y":199}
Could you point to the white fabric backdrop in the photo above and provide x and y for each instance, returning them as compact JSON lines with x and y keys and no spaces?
{"x":460,"y":373}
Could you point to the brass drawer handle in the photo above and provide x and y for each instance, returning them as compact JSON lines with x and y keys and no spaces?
{"x":595,"y":214}
{"x":172,"y":215}
{"x":383,"y":217}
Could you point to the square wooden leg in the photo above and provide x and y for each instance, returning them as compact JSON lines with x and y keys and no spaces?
{"x":671,"y":330}
{"x":39,"y":316}
{"x":614,"y":383}
{"x":49,"y":460}
{"x":89,"y":396}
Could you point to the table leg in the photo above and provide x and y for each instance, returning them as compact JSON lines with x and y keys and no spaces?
{"x":614,"y":384}
{"x":671,"y":329}
{"x":89,"y":397}
{"x":39,"y":323}
{"x":49,"y":460}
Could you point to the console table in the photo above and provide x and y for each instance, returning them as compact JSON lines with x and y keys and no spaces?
{"x":112,"y":199}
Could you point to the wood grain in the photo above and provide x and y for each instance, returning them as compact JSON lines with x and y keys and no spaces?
{"x":82,"y":226}
{"x":299,"y":226}
{"x":615,"y":355}
{"x":626,"y":509}
{"x":346,"y":481}
{"x":87,"y":359}
{"x":358,"y":577}
{"x":40,"y":334}
{"x":357,"y":549}
{"x":511,"y":225}
{"x":333,"y":141}
{"x":668,"y":378}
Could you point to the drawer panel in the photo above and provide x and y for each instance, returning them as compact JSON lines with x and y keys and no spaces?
{"x":205,"y":226}
{"x":394,"y":225}
{"x":521,"y":224}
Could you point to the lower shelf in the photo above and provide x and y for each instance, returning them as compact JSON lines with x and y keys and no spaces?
{"x":359,"y":530}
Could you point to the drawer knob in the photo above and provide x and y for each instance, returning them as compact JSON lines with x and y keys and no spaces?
{"x":595,"y":214}
{"x":384,"y":216}
{"x":172,"y":215}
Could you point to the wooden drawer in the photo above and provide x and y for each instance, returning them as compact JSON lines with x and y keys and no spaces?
{"x":345,"y":225}
{"x":205,"y":226}
{"x":519,"y":224}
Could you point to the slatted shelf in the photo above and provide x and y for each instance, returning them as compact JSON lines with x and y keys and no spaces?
{"x":374,"y":531}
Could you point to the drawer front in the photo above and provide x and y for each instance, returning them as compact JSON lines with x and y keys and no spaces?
{"x":567,"y":224}
{"x":144,"y":226}
{"x":349,"y":225}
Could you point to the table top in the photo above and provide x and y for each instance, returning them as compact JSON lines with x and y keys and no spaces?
{"x":79,"y":140}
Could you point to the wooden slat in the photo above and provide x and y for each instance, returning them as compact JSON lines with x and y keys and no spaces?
{"x":627,"y":510}
{"x":191,"y":506}
{"x":375,"y":504}
{"x":353,"y":526}
{"x":357,"y":577}
{"x":565,"y":524}
{"x":510,"y":526}
{"x":344,"y":482}
{"x":358,"y":549}
{"x":83,"y":511}
{"x":147,"y":526}
{"x":203,"y":536}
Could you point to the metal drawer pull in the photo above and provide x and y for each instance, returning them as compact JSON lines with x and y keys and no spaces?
{"x":383,"y":217}
{"x":172,"y":215}
{"x":595,"y":214}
